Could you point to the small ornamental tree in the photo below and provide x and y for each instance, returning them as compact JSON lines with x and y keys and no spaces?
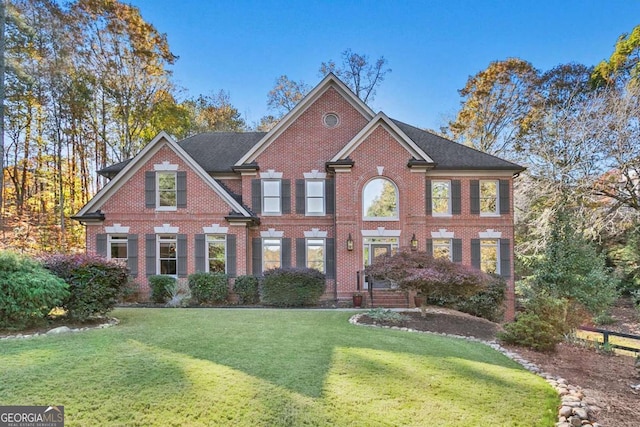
{"x":431,"y":277}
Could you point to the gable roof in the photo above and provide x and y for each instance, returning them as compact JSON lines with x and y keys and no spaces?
{"x":450,"y":155}
{"x":133,"y":165}
{"x":381,"y":119}
{"x":330,"y":81}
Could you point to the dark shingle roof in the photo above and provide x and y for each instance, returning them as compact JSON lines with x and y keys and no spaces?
{"x":451,"y":155}
{"x":219,"y":151}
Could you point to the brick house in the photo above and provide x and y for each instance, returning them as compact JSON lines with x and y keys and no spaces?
{"x":332,"y":185}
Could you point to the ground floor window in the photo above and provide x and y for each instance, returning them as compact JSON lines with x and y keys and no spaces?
{"x":376,"y":246}
{"x":217,"y":253}
{"x":315,"y":254}
{"x":271,"y":253}
{"x":166,"y":254}
{"x":489,"y":256}
{"x":442,"y":248}
{"x":118,"y":247}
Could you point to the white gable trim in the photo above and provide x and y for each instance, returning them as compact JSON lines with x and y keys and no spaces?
{"x":166,"y":229}
{"x":139,"y":160}
{"x":116,"y":229}
{"x":272,"y":233}
{"x":215,"y":229}
{"x":490,"y":234}
{"x":380,"y":232}
{"x":315,"y":232}
{"x":381,"y":119}
{"x":330,"y":81}
{"x":442,"y":234}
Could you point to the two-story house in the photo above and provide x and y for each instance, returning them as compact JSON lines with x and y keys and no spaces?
{"x":331,"y":186}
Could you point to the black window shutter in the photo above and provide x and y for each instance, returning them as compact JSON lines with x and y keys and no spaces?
{"x":101,"y":244}
{"x":201,"y":252}
{"x":429,"y":247}
{"x":231,"y":255}
{"x":286,"y":252}
{"x":329,"y":196}
{"x":427,"y":197}
{"x":456,"y":250}
{"x":300,"y":196}
{"x":505,"y":258}
{"x":256,"y":256}
{"x":456,"y":197}
{"x":182,"y":255}
{"x":150,"y":254}
{"x":256,"y":195}
{"x":150,"y":189}
{"x":301,"y":249}
{"x":285,"y":187}
{"x":504,"y":196}
{"x":475,"y":253}
{"x":181,"y":187}
{"x":132,"y":254}
{"x":330,"y":258}
{"x":475,"y":197}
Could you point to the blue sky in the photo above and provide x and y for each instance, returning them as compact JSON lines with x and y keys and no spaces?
{"x":242,"y":46}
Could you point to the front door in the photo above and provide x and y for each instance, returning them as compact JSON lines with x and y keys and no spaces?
{"x":378,"y":249}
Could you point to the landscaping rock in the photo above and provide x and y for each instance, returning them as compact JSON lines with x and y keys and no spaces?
{"x":59,"y":330}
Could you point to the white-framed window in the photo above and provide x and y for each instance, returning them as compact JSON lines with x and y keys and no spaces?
{"x":166,"y":254}
{"x":167,"y":190}
{"x":489,"y":200}
{"x":118,"y":247}
{"x":380,"y":200}
{"x":314,"y":195}
{"x":441,"y":197}
{"x":442,"y":248}
{"x":216,"y":253}
{"x":490,"y":255}
{"x":315,"y":254}
{"x":271,"y":196}
{"x":271,"y":253}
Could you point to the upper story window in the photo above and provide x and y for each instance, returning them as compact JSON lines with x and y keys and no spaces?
{"x":314,"y":196}
{"x":271,"y":193}
{"x":380,"y":200}
{"x":118,"y":247}
{"x":441,"y":197}
{"x":216,"y":253}
{"x":489,"y":198}
{"x":166,"y":190}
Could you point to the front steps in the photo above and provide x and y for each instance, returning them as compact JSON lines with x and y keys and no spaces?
{"x":388,"y":299}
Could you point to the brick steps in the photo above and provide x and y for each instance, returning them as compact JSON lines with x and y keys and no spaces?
{"x":388,"y":299}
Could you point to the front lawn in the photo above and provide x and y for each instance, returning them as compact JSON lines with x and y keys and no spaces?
{"x":189,"y":367}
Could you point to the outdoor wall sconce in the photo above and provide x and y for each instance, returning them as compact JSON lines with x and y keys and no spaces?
{"x":349,"y":243}
{"x":414,"y":242}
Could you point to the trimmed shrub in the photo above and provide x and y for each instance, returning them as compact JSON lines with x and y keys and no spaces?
{"x":95,"y":283}
{"x":162,"y":288}
{"x":292,"y":287}
{"x":247,"y":289}
{"x":209,"y":287}
{"x":28,"y":292}
{"x":488,"y":303}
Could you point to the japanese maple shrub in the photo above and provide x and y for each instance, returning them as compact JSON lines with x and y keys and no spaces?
{"x":95,"y":283}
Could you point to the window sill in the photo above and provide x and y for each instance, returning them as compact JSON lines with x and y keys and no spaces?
{"x":380,"y":219}
{"x":315,"y":214}
{"x":442,"y":215}
{"x":490,"y":215}
{"x":271,"y":214}
{"x":167,"y":209}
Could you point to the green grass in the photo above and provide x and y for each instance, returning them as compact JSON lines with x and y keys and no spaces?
{"x":190,"y":367}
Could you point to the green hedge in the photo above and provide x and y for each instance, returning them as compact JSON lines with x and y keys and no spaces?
{"x":162,"y":288}
{"x":292,"y":287}
{"x":95,"y":283}
{"x":28,"y":292}
{"x":247,"y":289}
{"x":209,"y":287}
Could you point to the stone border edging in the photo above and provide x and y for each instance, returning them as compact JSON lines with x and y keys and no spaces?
{"x":575,"y":408}
{"x":62,"y":329}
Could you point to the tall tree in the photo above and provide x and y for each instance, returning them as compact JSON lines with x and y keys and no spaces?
{"x":495,"y":103}
{"x":286,"y":94}
{"x":361,"y":75}
{"x":210,"y":113}
{"x":623,"y":66}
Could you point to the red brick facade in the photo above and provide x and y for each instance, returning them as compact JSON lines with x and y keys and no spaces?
{"x":303,"y":144}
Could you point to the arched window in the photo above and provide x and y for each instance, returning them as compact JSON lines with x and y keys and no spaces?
{"x":380,"y":200}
